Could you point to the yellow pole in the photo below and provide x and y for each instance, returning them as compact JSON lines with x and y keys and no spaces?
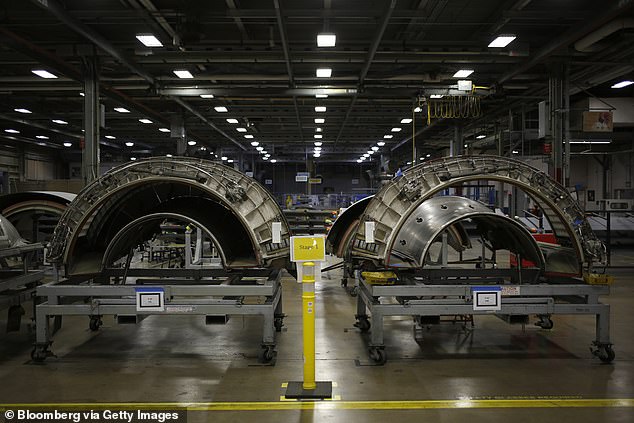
{"x":308,"y":319}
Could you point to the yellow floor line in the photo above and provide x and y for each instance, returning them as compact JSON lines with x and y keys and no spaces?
{"x":340,"y":405}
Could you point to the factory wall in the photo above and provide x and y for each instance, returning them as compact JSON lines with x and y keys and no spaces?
{"x":21,"y":167}
{"x":587,"y":173}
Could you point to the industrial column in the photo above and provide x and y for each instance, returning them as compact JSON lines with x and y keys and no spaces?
{"x":92,"y":113}
{"x":457,"y":144}
{"x":558,"y":114}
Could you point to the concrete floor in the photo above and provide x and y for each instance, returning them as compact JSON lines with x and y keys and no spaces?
{"x":180,"y":359}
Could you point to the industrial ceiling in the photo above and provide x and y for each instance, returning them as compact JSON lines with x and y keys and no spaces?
{"x":259,"y":59}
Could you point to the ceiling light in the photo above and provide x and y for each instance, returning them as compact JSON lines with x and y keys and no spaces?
{"x":110,"y":137}
{"x":149,"y":40}
{"x":515,"y":152}
{"x":320,"y":120}
{"x":375,"y":148}
{"x":255,"y":143}
{"x":265,"y":158}
{"x":323,"y":72}
{"x":428,"y":155}
{"x":320,"y":109}
{"x":221,"y":109}
{"x":622,"y":84}
{"x":241,"y":129}
{"x":44,"y":74}
{"x":232,"y":120}
{"x":273,"y":161}
{"x":590,"y":142}
{"x":359,"y":160}
{"x":133,"y":158}
{"x":418,"y":110}
{"x":317,"y":129}
{"x":463,"y":73}
{"x":259,"y":148}
{"x":248,"y":136}
{"x":316,"y":154}
{"x":479,"y":137}
{"x":26,"y":111}
{"x":318,"y":143}
{"x":68,"y":144}
{"x":203,"y":148}
{"x":191,"y":142}
{"x":183,"y":74}
{"x":387,"y":137}
{"x":317,"y":148}
{"x":436,"y":96}
{"x":264,"y":152}
{"x":422,"y":158}
{"x":409,"y":163}
{"x":396,"y":129}
{"x":60,"y":122}
{"x":129,"y":144}
{"x":121,"y":110}
{"x":82,"y":94}
{"x":366,"y":155}
{"x":326,"y":40}
{"x":370,"y":152}
{"x":502,"y":41}
{"x":41,"y":137}
{"x":145,"y":120}
{"x":206,"y":96}
{"x":224,"y":158}
{"x":41,"y":143}
{"x":168,"y":155}
{"x":164,"y":129}
{"x":406,"y":120}
{"x":267,"y":155}
{"x":317,"y":136}
{"x":321,"y":95}
{"x":380,"y":143}
{"x":230,"y":161}
{"x":12,"y":131}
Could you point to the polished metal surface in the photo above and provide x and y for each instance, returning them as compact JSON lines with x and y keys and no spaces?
{"x":236,"y":209}
{"x":436,"y":215}
{"x":341,"y":231}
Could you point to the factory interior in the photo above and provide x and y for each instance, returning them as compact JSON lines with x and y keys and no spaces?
{"x":316,"y":211}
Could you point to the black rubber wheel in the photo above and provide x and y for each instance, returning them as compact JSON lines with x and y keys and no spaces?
{"x":363,"y":324}
{"x":606,"y":353}
{"x":545,"y":324}
{"x":38,"y":355}
{"x":354,"y":291}
{"x":378,"y":355}
{"x":95,"y":324}
{"x":266,"y":355}
{"x":344,"y":282}
{"x":279,"y":324}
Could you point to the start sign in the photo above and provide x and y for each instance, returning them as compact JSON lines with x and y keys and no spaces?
{"x":308,"y":248}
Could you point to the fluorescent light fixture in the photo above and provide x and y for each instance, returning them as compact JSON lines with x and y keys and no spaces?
{"x":590,"y":142}
{"x":318,"y":129}
{"x":25,"y":111}
{"x":129,"y":144}
{"x":314,"y":155}
{"x":41,"y":143}
{"x":164,"y":129}
{"x":111,"y":137}
{"x":317,"y":148}
{"x":321,"y":95}
{"x":422,"y":158}
{"x":380,"y":143}
{"x":60,"y":122}
{"x":82,"y":94}
{"x":436,"y":96}
{"x":259,"y":148}
{"x":224,"y":158}
{"x":183,"y":74}
{"x":428,"y":155}
{"x":418,"y":110}
{"x":317,"y":136}
{"x":149,"y":40}
{"x":465,"y":146}
{"x":248,"y":136}
{"x":133,"y":158}
{"x":273,"y":161}
{"x":265,"y":158}
{"x":320,"y":109}
{"x":12,"y":131}
{"x":320,"y":120}
{"x":326,"y":40}
{"x":622,"y":84}
{"x":370,"y":152}
{"x":479,"y":137}
{"x":44,"y":74}
{"x":409,"y":163}
{"x":255,"y":143}
{"x":68,"y":144}
{"x":323,"y":72}
{"x":396,"y":129}
{"x":232,"y":120}
{"x":264,"y":152}
{"x":221,"y":109}
{"x":318,"y":143}
{"x":191,"y":142}
{"x":375,"y":148}
{"x":502,"y":41}
{"x":168,"y":155}
{"x":387,"y":137}
{"x":359,"y":160}
{"x":230,"y":161}
{"x":41,"y":137}
{"x":463,"y":73}
{"x":121,"y":110}
{"x":267,"y":155}
{"x":515,"y":152}
{"x":145,"y":120}
{"x":406,"y":120}
{"x":241,"y":129}
{"x":206,"y":96}
{"x":366,"y":155}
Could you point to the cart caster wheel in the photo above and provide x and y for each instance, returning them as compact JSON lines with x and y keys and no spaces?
{"x":267,"y":354}
{"x":95,"y":323}
{"x":344,"y":282}
{"x":378,"y":355}
{"x":354,"y":291}
{"x":39,"y":354}
{"x":545,"y":323}
{"x":363,"y":324}
{"x":605,"y":353}
{"x":279,"y":324}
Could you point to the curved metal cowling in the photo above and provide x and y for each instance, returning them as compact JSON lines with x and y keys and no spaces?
{"x":235,"y":208}
{"x":391,"y":207}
